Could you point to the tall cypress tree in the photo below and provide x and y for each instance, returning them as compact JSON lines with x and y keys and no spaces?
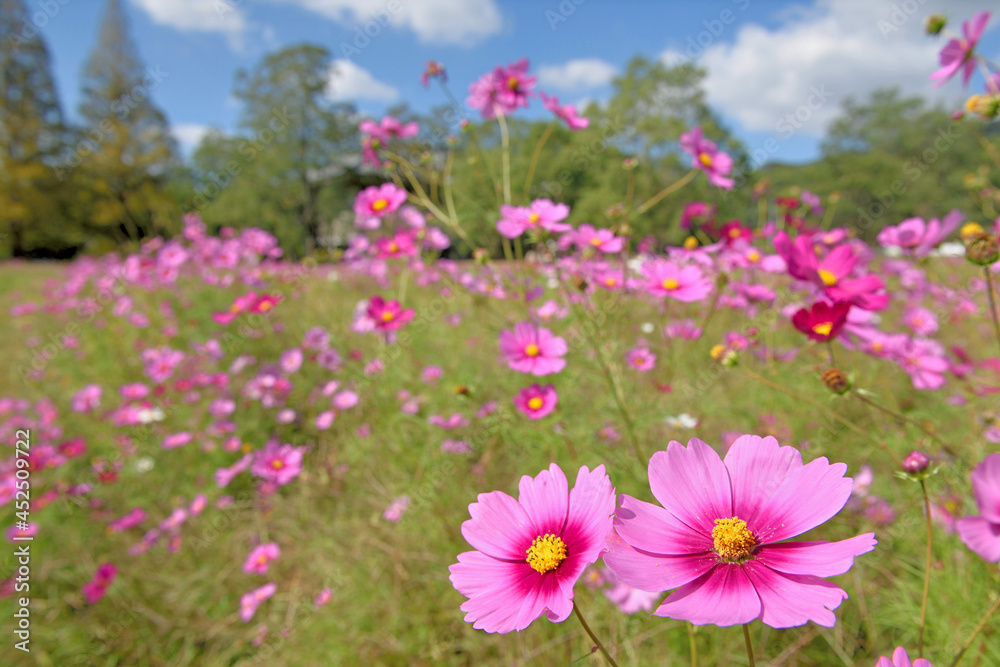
{"x":125,"y":148}
{"x":32,"y":133}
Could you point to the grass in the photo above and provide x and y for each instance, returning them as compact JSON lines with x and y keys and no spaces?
{"x":392,"y":601}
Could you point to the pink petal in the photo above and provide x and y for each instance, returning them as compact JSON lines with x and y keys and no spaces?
{"x":806,"y":498}
{"x":980,"y":535}
{"x":497,"y":608}
{"x":724,"y":596}
{"x":545,"y":498}
{"x":692,"y":483}
{"x":791,"y":600}
{"x":499,"y":527}
{"x":820,"y":559}
{"x":986,"y":487}
{"x":654,"y":572}
{"x":757,"y":467}
{"x":651,"y":528}
{"x":475,"y":572}
{"x":591,"y":504}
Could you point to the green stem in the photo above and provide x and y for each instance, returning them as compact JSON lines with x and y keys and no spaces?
{"x":908,"y":420}
{"x":927,"y":572}
{"x":993,"y":302}
{"x":505,"y":154}
{"x":971,"y":638}
{"x":593,"y":638}
{"x":693,"y":643}
{"x":746,"y":638}
{"x":669,"y":190}
{"x":536,"y":155}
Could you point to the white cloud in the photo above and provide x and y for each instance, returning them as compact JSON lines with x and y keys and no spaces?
{"x":189,"y":135}
{"x":458,"y":22}
{"x":201,"y":15}
{"x":580,"y":74}
{"x":835,"y":48}
{"x":348,"y":81}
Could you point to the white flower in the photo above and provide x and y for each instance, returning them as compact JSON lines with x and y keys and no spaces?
{"x":149,"y":415}
{"x":683,"y":420}
{"x":647,"y":327}
{"x":144,"y":464}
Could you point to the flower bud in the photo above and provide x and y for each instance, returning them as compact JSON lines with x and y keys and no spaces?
{"x":916,"y":463}
{"x":982,"y":249}
{"x":935,"y":23}
{"x":836,"y":381}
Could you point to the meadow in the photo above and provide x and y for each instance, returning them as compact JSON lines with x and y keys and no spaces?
{"x":221,"y":457}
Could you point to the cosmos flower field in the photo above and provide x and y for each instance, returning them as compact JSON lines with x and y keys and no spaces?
{"x":772,"y":444}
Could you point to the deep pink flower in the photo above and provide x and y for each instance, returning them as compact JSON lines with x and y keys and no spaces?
{"x":94,"y":589}
{"x":684,"y":283}
{"x":588,"y":236}
{"x":502,"y":90}
{"x":543,"y":214}
{"x":534,"y":350}
{"x":707,"y":157}
{"x":537,"y":401}
{"x":957,"y":54}
{"x":250,"y":601}
{"x":378,"y":202}
{"x":718,"y":537}
{"x":530,"y":552}
{"x":87,"y":398}
{"x":130,"y":520}
{"x":434,"y":69}
{"x":259,"y":559}
{"x":822,"y":321}
{"x":641,"y":358}
{"x":900,"y":658}
{"x":278,"y":463}
{"x":567,"y":113}
{"x":401,"y":244}
{"x":982,"y":533}
{"x":387,"y":315}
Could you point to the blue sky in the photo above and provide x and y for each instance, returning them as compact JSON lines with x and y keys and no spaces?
{"x":765,"y":59}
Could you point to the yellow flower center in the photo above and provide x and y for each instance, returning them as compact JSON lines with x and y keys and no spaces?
{"x":262,"y":559}
{"x":387,"y":316}
{"x":512,"y":83}
{"x":596,"y":241}
{"x":690,"y":243}
{"x":234,"y":308}
{"x":610,"y":282}
{"x":534,"y":218}
{"x":266,"y":306}
{"x":535,"y":403}
{"x":717,"y":351}
{"x":277,"y":464}
{"x":670,"y":284}
{"x":393,"y":247}
{"x":734,"y":233}
{"x":733,"y":542}
{"x":379,"y":204}
{"x":970,"y":228}
{"x":705,"y":159}
{"x":546,"y":553}
{"x":246,"y":448}
{"x":531,"y":350}
{"x":828,"y":277}
{"x":753,"y":256}
{"x":823,"y":329}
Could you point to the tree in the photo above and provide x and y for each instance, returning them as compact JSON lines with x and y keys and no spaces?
{"x":292,"y":121}
{"x":125,"y":150}
{"x":32,"y":134}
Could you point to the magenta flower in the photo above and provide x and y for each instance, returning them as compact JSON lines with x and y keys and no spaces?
{"x":387,"y":315}
{"x":684,"y":283}
{"x":957,"y":54}
{"x":628,"y":600}
{"x":260,"y":558}
{"x":537,"y":401}
{"x":530,"y":552}
{"x":718,"y":537}
{"x":457,"y":420}
{"x":277,"y":463}
{"x":95,"y":589}
{"x":434,"y":69}
{"x":543,"y":214}
{"x":87,"y":398}
{"x":982,"y":533}
{"x":250,"y":601}
{"x":394,"y":512}
{"x":130,"y":520}
{"x":707,"y":157}
{"x":900,"y":658}
{"x":534,"y":350}
{"x":588,"y":236}
{"x":567,"y":113}
{"x":918,"y":238}
{"x":378,"y":202}
{"x":641,"y":358}
{"x":503,"y":90}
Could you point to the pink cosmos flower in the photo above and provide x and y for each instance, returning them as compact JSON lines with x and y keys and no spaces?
{"x":530,"y":552}
{"x":291,"y":360}
{"x":957,"y":54}
{"x":718,"y":536}
{"x":567,"y":113}
{"x":831,"y":272}
{"x":923,"y":321}
{"x":534,"y":350}
{"x":915,"y":237}
{"x":982,"y":533}
{"x":401,"y":244}
{"x":86,"y":399}
{"x":130,"y":520}
{"x":394,"y":512}
{"x":250,"y":601}
{"x":457,"y":420}
{"x":641,"y":358}
{"x":260,"y":558}
{"x":628,"y":600}
{"x":344,"y":400}
{"x":431,"y":374}
{"x":94,"y":590}
{"x":455,"y":446}
{"x":503,"y":90}
{"x":588,"y":236}
{"x":900,"y":658}
{"x":434,"y":69}
{"x":683,"y":283}
{"x":707,"y":157}
{"x":537,"y":401}
{"x":542,"y":213}
{"x":387,"y":315}
{"x":278,"y":463}
{"x":378,"y":202}
{"x":551,"y":310}
{"x":324,"y":420}
{"x":239,"y":305}
{"x":323,"y":597}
